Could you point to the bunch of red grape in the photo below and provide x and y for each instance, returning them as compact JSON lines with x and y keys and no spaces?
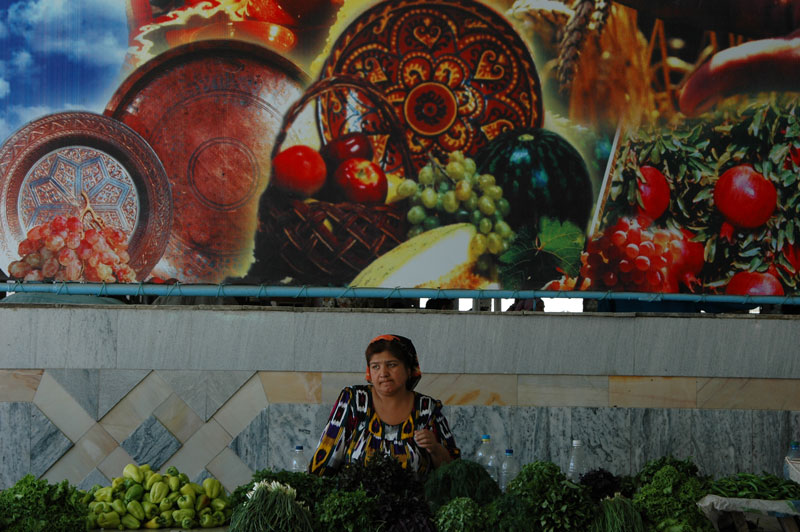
{"x":631,"y":257}
{"x":64,"y":250}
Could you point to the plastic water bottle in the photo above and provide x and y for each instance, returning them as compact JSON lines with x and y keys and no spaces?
{"x":509,"y":469}
{"x":794,"y":456}
{"x":487,"y":457}
{"x":577,"y":461}
{"x":299,"y":464}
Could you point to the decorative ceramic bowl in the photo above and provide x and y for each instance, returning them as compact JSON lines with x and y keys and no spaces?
{"x":456,"y":71}
{"x":52,"y":165}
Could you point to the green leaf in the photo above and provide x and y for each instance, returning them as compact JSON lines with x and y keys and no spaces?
{"x":564,"y":240}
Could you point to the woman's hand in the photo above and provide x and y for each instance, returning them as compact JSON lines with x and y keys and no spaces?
{"x":428,"y":441}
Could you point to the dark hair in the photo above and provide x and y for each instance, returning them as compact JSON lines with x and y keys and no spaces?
{"x":395,"y":347}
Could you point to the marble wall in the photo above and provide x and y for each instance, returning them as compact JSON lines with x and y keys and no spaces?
{"x":225,"y":391}
{"x":230,"y":424}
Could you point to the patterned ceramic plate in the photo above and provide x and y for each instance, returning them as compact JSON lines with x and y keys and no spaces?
{"x":211,"y":111}
{"x":456,"y":72}
{"x":52,"y":165}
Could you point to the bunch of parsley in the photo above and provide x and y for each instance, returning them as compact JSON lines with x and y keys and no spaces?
{"x":33,"y":505}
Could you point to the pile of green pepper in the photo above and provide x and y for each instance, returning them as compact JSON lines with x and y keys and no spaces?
{"x":142,"y":498}
{"x":749,"y":486}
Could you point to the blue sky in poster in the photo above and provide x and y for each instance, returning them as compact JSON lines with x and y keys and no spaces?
{"x":58,"y":55}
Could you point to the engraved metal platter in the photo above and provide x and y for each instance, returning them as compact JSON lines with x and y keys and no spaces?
{"x":211,"y":111}
{"x":53,"y":165}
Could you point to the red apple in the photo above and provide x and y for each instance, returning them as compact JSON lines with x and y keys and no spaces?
{"x":361,"y":181}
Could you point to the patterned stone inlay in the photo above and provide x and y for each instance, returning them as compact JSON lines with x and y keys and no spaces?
{"x":47,"y":443}
{"x":291,"y":425}
{"x":151,"y":443}
{"x":15,"y":442}
{"x":82,"y":384}
{"x":252,"y":444}
{"x":114,"y":385}
{"x":205,"y":391}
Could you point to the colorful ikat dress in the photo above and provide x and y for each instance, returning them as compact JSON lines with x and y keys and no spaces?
{"x":354,"y":432}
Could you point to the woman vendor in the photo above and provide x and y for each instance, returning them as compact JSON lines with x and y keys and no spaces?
{"x":386,"y":416}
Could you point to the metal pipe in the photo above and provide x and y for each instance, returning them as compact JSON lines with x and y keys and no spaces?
{"x":262,"y":291}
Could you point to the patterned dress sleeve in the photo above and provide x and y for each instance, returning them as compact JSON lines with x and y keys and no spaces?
{"x":441,"y":428}
{"x":333,"y":442}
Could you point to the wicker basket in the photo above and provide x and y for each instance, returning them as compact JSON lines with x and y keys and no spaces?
{"x":321,"y":242}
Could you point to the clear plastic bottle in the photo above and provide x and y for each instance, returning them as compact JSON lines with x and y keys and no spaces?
{"x":577,"y":461}
{"x":299,"y":464}
{"x":509,"y":469}
{"x":487,"y":457}
{"x":794,"y":456}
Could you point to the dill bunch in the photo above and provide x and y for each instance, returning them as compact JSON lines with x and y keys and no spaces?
{"x":271,"y":507}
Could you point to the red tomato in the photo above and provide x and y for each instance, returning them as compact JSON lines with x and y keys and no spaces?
{"x":754,"y":284}
{"x":299,"y":170}
{"x":361,"y":181}
{"x":349,"y":146}
{"x":746,"y":198}
{"x":654,"y":191}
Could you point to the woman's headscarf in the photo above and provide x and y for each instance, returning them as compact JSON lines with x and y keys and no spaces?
{"x":407,"y":354}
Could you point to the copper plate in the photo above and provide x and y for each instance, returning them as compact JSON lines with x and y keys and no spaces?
{"x":456,"y":71}
{"x":211,"y":111}
{"x":47,"y":165}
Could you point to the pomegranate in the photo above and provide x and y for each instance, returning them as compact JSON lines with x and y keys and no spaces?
{"x":687,"y":259}
{"x":654,"y":191}
{"x":754,"y":284}
{"x":745,"y":198}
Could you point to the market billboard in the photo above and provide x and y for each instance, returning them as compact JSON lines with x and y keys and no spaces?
{"x":408,"y":144}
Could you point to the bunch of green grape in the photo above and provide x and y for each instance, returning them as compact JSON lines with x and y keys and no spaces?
{"x":454,"y":193}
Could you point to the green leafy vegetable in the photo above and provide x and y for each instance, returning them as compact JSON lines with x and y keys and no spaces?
{"x":33,"y":505}
{"x":271,"y":507}
{"x":553,"y":502}
{"x":461,"y":514}
{"x":671,"y":497}
{"x":617,"y":514}
{"x":310,"y":489}
{"x":533,"y":260}
{"x":749,"y":486}
{"x":508,"y":513}
{"x":460,"y":478}
{"x":353,"y":511}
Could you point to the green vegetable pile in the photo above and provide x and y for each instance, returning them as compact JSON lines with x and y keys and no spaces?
{"x":353,"y":511}
{"x":142,"y":498}
{"x":617,"y":514}
{"x":460,"y":478}
{"x":668,"y":499}
{"x":33,"y":505}
{"x":749,"y":486}
{"x":271,"y":507}
{"x":461,"y":514}
{"x":553,"y":502}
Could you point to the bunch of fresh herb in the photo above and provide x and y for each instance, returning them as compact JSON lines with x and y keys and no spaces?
{"x":685,"y":467}
{"x":33,"y":505}
{"x":353,"y":511}
{"x":461,"y":514}
{"x":671,"y":497}
{"x":508,"y":513}
{"x":271,"y":507}
{"x":401,"y":497}
{"x":460,"y":478}
{"x":554,"y":503}
{"x":310,"y":489}
{"x":617,"y":514}
{"x":750,"y":486}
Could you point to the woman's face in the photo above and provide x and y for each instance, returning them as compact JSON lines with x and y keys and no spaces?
{"x":387,"y":373}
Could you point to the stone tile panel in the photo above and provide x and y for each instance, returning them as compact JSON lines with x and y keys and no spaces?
{"x":47,"y":443}
{"x":82,"y":384}
{"x":15,"y":442}
{"x":757,"y":394}
{"x":463,"y":390}
{"x":562,"y":390}
{"x":59,"y":406}
{"x":652,"y":392}
{"x":114,"y":385}
{"x":151,"y":443}
{"x":230,"y":470}
{"x":251,"y":445}
{"x":292,"y":387}
{"x":200,"y":449}
{"x":178,"y":418}
{"x":19,"y":384}
{"x":236,"y":414}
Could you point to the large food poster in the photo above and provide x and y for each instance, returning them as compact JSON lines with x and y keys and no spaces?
{"x":583,"y":146}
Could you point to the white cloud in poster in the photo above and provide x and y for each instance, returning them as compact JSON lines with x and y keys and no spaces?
{"x":83,"y":31}
{"x":22,"y":60}
{"x":5,"y":88}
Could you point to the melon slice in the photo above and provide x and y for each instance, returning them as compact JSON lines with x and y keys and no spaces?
{"x":439,"y":258}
